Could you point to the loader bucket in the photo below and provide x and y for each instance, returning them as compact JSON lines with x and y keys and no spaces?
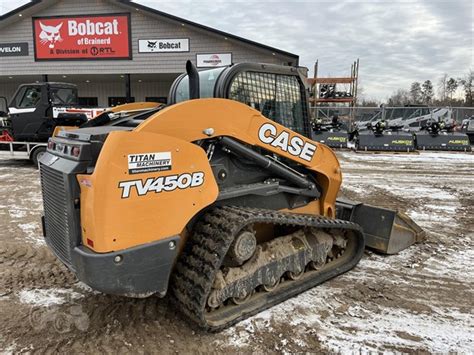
{"x":443,"y":141}
{"x":386,"y":231}
{"x":387,"y":141}
{"x":332,"y":139}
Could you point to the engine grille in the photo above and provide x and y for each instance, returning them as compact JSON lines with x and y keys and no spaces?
{"x":57,"y":226}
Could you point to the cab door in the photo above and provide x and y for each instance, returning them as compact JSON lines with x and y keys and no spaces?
{"x":28,"y":112}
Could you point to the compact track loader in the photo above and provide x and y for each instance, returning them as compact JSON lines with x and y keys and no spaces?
{"x":222,"y":201}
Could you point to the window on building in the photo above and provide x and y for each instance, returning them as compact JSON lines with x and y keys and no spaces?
{"x":119,"y":100}
{"x":88,"y":102}
{"x":159,"y":99}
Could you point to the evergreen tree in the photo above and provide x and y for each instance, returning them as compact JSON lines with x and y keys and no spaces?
{"x":415,"y":92}
{"x":427,"y":92}
{"x":451,"y":87}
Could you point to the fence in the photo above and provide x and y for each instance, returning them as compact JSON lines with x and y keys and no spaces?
{"x":367,"y":114}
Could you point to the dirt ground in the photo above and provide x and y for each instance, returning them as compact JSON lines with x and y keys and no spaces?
{"x":421,"y":299}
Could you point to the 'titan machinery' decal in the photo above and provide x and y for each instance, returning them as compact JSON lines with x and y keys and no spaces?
{"x":162,"y":183}
{"x":149,"y":162}
{"x":294,"y":145}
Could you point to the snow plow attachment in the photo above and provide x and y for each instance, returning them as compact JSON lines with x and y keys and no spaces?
{"x":443,"y":141}
{"x":386,"y":231}
{"x":387,"y":141}
{"x":331,"y":139}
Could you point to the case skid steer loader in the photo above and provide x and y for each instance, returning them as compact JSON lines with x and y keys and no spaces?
{"x":224,"y":201}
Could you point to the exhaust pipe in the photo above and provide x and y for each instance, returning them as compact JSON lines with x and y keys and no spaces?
{"x":193,"y":76}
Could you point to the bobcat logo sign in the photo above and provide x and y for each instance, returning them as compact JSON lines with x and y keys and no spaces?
{"x":82,"y":37}
{"x":50,"y":34}
{"x":152,"y":45}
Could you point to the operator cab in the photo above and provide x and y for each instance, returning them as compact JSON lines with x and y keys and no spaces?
{"x":31,"y":110}
{"x":277,"y":92}
{"x":29,"y":96}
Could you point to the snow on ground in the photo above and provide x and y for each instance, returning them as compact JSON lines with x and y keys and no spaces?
{"x":418,"y":176}
{"x":23,"y":203}
{"x":48,"y":297}
{"x":428,"y":321}
{"x":32,"y":233}
{"x":432,"y":157}
{"x":418,"y":300}
{"x":345,"y":327}
{"x":353,"y":328}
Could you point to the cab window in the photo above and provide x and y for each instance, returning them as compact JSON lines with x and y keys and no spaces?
{"x":28,"y":97}
{"x":63,"y":96}
{"x":277,"y":96}
{"x":207,"y":81}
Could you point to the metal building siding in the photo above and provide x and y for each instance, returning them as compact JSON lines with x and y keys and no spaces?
{"x":103,"y":90}
{"x":110,"y":89}
{"x":143,"y":26}
{"x":7,"y":90}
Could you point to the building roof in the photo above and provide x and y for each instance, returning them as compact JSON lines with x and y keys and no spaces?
{"x":33,"y":3}
{"x":19,"y":9}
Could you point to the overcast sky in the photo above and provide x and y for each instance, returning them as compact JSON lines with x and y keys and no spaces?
{"x":397,"y":41}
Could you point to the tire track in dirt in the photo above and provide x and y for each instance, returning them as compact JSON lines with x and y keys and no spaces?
{"x":384,"y":304}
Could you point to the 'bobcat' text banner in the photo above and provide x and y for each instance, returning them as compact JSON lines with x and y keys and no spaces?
{"x":82,"y":37}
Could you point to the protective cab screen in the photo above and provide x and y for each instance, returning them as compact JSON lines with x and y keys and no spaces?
{"x":276,"y":96}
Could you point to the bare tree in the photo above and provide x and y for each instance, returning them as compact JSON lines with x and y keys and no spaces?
{"x":442,"y":88}
{"x":427,"y":92}
{"x":415,"y":92}
{"x":467,"y":84}
{"x":400,"y":97}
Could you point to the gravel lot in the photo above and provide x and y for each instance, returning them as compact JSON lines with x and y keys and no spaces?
{"x":421,"y":299}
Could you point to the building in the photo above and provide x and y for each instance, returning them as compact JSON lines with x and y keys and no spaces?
{"x":114,"y":51}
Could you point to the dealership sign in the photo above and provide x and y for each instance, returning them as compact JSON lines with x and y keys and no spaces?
{"x":13,"y":49}
{"x":82,"y":37}
{"x":213,"y":60}
{"x":163,"y":45}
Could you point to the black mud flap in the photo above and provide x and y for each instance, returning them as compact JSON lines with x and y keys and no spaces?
{"x":386,"y":231}
{"x":388,"y":141}
{"x":443,"y":141}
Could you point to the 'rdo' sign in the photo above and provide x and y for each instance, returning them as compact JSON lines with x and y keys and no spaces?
{"x":82,"y":37}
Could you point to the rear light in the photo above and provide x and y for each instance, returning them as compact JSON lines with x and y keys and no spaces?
{"x":76,"y":151}
{"x":51,"y":145}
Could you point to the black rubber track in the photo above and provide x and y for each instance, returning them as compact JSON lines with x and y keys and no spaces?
{"x":193,"y":277}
